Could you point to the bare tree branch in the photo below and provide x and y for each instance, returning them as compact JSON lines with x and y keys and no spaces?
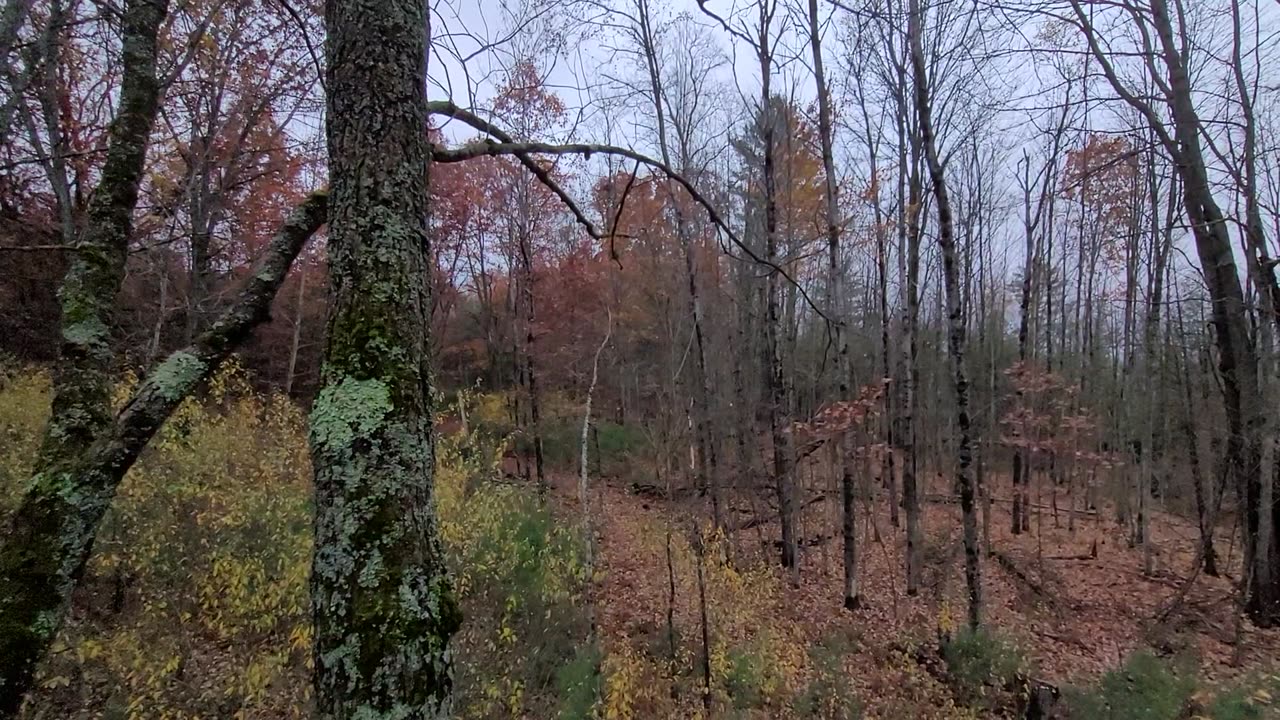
{"x":521,"y":150}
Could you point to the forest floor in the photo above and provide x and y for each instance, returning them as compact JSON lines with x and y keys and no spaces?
{"x":1074,"y":613}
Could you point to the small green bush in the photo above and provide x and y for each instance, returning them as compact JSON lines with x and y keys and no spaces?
{"x":616,"y":444}
{"x":827,"y":695}
{"x":745,"y":678}
{"x":1237,"y":704}
{"x":1150,"y":688}
{"x":1254,"y":699}
{"x":561,"y":442}
{"x":578,"y":684}
{"x":609,"y":450}
{"x":1144,"y":688}
{"x":978,"y":661}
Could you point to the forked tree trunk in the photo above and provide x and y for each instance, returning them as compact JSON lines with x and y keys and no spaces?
{"x":49,"y":536}
{"x":34,"y":595}
{"x":383,"y":607}
{"x":1237,"y":357}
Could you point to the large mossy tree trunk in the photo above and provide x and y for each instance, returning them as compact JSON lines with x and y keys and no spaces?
{"x":382,"y":604}
{"x":49,"y":536}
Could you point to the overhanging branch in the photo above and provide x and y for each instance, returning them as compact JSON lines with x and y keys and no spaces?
{"x":451,"y":109}
{"x":504,"y":145}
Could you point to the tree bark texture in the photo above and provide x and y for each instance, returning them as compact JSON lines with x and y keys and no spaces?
{"x":382,"y":604}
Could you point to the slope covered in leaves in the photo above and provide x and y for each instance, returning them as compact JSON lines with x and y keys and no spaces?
{"x":195,"y":603}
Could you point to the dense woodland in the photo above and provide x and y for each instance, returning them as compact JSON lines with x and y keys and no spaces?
{"x":639,"y":358}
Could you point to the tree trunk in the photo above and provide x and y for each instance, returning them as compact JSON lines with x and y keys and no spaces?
{"x":584,"y":496}
{"x":38,"y":573}
{"x":1019,"y":509}
{"x":887,"y":468}
{"x":904,"y":433}
{"x":835,"y":307}
{"x":1204,"y":499}
{"x":50,"y":535}
{"x":909,"y":376}
{"x":535,"y":406}
{"x":1162,"y":243}
{"x":297,"y":330}
{"x":955,"y":321}
{"x":709,"y":467}
{"x":779,"y":402}
{"x":382,"y":604}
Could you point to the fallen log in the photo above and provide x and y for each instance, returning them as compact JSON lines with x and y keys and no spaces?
{"x":1012,"y":568}
{"x":758,"y":520}
{"x":955,"y":500}
{"x":648,"y":490}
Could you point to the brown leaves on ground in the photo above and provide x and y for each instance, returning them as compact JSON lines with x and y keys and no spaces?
{"x":1076,"y":601}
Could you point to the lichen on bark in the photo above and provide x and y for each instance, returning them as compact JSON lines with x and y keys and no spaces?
{"x":382,"y":604}
{"x":47,"y":539}
{"x":177,"y":373}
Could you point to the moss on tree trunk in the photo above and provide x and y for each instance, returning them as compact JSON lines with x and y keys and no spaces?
{"x":48,"y":538}
{"x":382,"y":604}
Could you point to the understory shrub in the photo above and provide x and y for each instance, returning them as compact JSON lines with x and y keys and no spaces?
{"x":578,"y":684}
{"x":194,"y":602}
{"x":24,"y":408}
{"x":981,"y":664}
{"x":1144,"y":688}
{"x":745,"y":677}
{"x":828,"y":696}
{"x":520,"y":574}
{"x":612,"y":446}
{"x":1147,"y":687}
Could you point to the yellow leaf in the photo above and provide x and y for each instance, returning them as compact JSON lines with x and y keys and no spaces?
{"x":57,"y":681}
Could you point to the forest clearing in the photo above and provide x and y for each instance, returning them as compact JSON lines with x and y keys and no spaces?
{"x":424,"y":359}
